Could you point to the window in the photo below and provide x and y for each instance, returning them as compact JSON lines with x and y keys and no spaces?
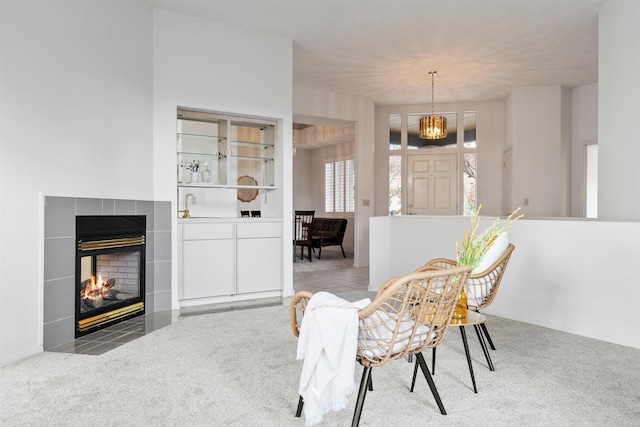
{"x":470,"y":129}
{"x":469,"y":178}
{"x":395,"y":185}
{"x":328,"y":187}
{"x":395,"y":126}
{"x":339,"y":183}
{"x":591,"y":197}
{"x":469,"y":164}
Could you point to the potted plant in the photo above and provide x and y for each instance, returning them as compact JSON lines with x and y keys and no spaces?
{"x":474,"y":247}
{"x":194,"y":167}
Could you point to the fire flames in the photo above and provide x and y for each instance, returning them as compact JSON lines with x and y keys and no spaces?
{"x":95,"y":290}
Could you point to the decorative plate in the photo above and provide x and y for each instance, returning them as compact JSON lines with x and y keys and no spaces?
{"x":247,"y":194}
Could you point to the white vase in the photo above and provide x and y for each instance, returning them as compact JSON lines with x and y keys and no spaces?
{"x":195,"y":176}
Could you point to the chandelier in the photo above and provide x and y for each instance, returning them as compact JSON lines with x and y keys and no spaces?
{"x":432,"y":126}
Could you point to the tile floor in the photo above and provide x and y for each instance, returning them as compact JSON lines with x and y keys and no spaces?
{"x":109,"y":338}
{"x":328,"y":274}
{"x":336,"y":280}
{"x":332,"y":273}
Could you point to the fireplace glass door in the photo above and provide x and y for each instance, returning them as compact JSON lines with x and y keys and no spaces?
{"x":109,"y":271}
{"x":108,"y":279}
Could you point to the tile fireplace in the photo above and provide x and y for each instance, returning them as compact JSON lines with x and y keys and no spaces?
{"x":149,"y":266}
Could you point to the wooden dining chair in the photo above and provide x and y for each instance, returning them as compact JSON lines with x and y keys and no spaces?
{"x":303,"y":232}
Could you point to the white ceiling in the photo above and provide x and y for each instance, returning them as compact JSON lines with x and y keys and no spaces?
{"x":383,"y":49}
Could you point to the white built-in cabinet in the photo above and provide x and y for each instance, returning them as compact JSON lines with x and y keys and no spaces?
{"x":229,"y":261}
{"x":224,"y":258}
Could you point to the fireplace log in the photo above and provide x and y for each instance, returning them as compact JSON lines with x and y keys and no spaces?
{"x":94,"y":303}
{"x":110,"y":294}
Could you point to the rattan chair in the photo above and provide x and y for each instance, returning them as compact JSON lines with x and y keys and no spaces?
{"x":408,"y":315}
{"x":482,"y":287}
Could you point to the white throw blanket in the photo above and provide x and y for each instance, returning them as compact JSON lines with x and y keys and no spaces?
{"x":328,"y":342}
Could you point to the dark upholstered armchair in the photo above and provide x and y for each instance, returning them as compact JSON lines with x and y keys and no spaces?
{"x":328,"y":232}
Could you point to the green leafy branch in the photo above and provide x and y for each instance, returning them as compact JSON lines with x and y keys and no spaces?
{"x":473,"y":246}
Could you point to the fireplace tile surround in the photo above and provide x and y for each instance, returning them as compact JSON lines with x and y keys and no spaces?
{"x":59,"y":258}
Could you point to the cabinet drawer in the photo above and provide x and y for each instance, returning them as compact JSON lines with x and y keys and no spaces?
{"x":207,"y":231}
{"x":257,"y":230}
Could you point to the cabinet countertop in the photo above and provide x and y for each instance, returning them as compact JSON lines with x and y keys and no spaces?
{"x":204,"y":220}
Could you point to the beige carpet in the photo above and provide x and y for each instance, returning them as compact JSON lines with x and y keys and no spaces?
{"x":238,"y":368}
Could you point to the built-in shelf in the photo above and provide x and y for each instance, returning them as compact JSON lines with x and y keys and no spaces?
{"x":225,"y":148}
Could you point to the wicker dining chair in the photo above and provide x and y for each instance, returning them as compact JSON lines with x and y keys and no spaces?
{"x":410,"y":314}
{"x":482,"y":287}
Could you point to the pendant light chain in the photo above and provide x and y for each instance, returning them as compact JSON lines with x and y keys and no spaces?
{"x":433,"y":74}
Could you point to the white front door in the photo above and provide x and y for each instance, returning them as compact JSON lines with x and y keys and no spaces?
{"x":432,"y":184}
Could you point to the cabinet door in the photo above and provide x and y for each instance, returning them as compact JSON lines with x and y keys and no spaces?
{"x":253,"y":151}
{"x":201,"y":147}
{"x":207,"y":268}
{"x":259,"y":264}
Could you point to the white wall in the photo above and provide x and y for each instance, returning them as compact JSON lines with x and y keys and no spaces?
{"x":618,"y":111}
{"x":490,"y":133}
{"x":540,"y":124}
{"x":576,"y":276}
{"x":584,"y":132}
{"x":314,"y":103}
{"x":75,"y":120}
{"x":303,"y":181}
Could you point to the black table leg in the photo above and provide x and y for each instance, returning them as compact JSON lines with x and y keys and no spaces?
{"x":486,"y":334}
{"x":484,"y":347}
{"x":466,"y":350}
